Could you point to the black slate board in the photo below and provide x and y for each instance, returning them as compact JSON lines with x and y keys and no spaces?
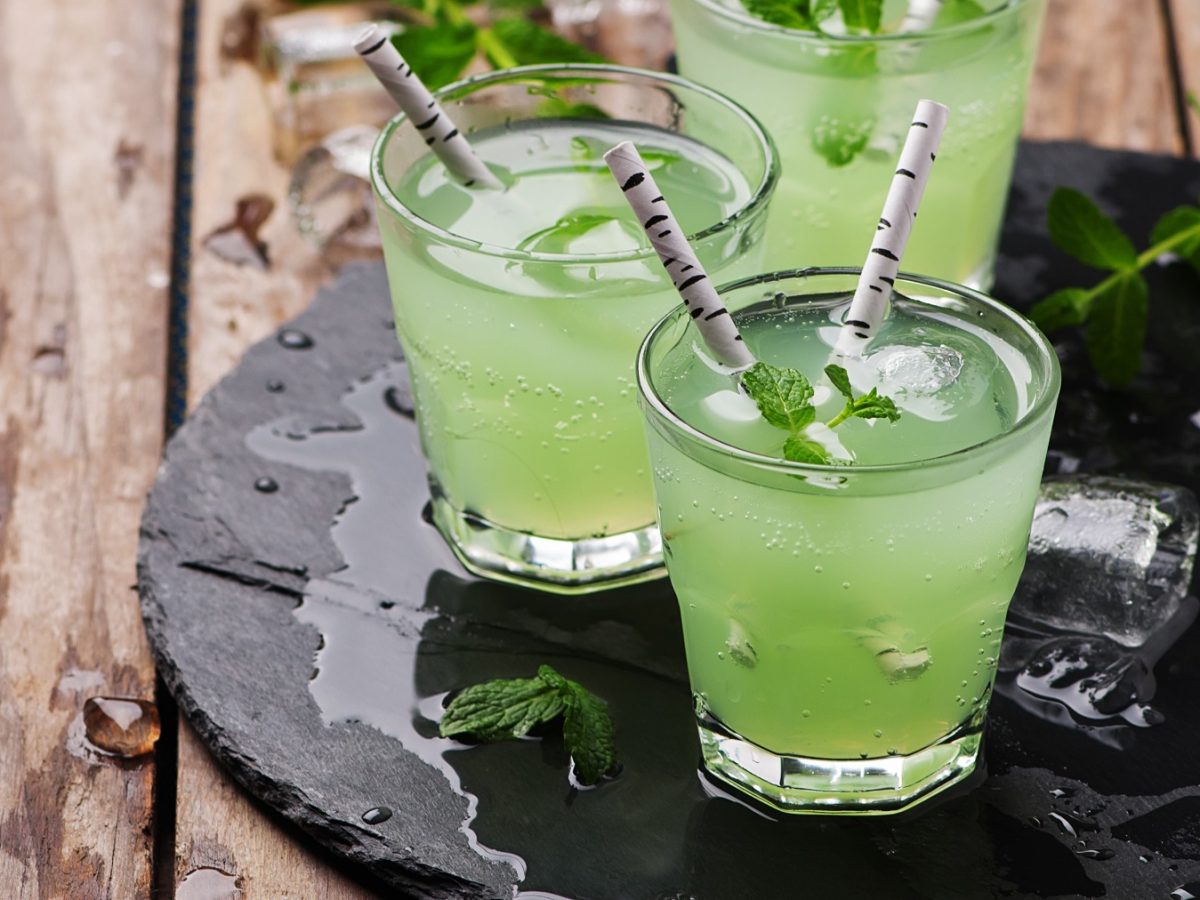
{"x":311,"y":657}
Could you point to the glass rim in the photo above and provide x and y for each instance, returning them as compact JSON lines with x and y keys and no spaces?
{"x":759,"y":195}
{"x":743,"y":17}
{"x":1045,"y":400}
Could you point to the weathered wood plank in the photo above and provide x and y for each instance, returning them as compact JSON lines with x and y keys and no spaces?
{"x":1102,"y":76}
{"x":232,"y":306}
{"x":87,"y":113}
{"x":1185,"y":16}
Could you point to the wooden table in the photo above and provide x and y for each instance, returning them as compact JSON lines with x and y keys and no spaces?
{"x":93,"y":367}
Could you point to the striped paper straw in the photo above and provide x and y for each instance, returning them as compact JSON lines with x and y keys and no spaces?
{"x":411,"y":95}
{"x":676,"y":254}
{"x":874,"y":291}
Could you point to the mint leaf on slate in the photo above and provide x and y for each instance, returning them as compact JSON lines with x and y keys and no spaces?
{"x":1178,"y":220}
{"x":509,"y":707}
{"x":503,"y":708}
{"x":1068,"y":306}
{"x":784,"y":396}
{"x":862,"y":15}
{"x":438,"y":52}
{"x":802,"y":450}
{"x":1116,"y":328}
{"x":588,"y":734}
{"x":955,"y":11}
{"x":530,"y":44}
{"x":1078,"y":227}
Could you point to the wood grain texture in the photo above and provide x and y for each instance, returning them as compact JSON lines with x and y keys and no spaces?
{"x":231,"y":306}
{"x":87,"y":114}
{"x":1102,"y":76}
{"x":1185,"y":16}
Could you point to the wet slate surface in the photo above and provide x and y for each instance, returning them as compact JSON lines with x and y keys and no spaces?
{"x":309,"y":633}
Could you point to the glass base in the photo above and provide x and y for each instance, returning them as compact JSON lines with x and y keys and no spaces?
{"x":557,"y":565}
{"x":875,"y":786}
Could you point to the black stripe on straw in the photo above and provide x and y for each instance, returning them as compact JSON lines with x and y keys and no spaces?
{"x":429,"y":141}
{"x":884,"y":221}
{"x":932,"y":157}
{"x":905,"y":172}
{"x":883,"y":251}
{"x":919,"y":125}
{"x":737,"y":337}
{"x":374,"y":47}
{"x":876,"y":288}
{"x":685,"y":268}
{"x":428,"y":122}
{"x":400,"y":68}
{"x":658,"y":199}
{"x":857,"y":323}
{"x":667,"y":262}
{"x":429,"y":105}
{"x":633,"y":181}
{"x":453,"y":133}
{"x":654,"y":220}
{"x":696,"y":312}
{"x":720,"y":312}
{"x":469,"y":183}
{"x":687,"y":284}
{"x":859,"y":334}
{"x":887,"y":279}
{"x":663,"y":234}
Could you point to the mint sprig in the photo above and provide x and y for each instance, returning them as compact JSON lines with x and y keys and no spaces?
{"x":1113,"y":312}
{"x":505,"y":708}
{"x":784,"y":398}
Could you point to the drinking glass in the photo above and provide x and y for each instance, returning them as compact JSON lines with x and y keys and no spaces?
{"x":839,"y":107}
{"x":521,"y":354}
{"x":842,"y":623}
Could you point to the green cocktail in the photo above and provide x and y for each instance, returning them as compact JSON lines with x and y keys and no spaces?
{"x":842,"y":622}
{"x":838,"y":106}
{"x":520,"y":311}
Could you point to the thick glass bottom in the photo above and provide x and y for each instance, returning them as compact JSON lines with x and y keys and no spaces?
{"x":875,"y":786}
{"x":557,"y":565}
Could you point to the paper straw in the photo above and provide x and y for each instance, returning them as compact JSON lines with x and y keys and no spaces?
{"x":411,"y":95}
{"x":671,"y":244}
{"x":870,"y":304}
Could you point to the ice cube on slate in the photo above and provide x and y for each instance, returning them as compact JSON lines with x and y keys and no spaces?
{"x":1108,"y":556}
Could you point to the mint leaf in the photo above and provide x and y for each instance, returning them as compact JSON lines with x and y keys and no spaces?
{"x":955,"y":11}
{"x":529,"y":44}
{"x":502,"y":708}
{"x":840,"y":379}
{"x":1078,"y":227}
{"x":784,"y":396}
{"x":820,"y":10}
{"x":1177,"y":221}
{"x":1116,"y":328}
{"x":588,"y":734}
{"x":802,"y":450}
{"x":1068,"y":306}
{"x":838,"y":141}
{"x":862,"y":15}
{"x":788,"y":13}
{"x":438,"y":52}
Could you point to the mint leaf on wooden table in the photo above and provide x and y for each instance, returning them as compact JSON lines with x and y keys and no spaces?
{"x":506,"y":708}
{"x":1114,"y":312}
{"x":1079,"y":228}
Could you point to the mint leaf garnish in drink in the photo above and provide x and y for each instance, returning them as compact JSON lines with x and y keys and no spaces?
{"x":1113,"y":313}
{"x":805,"y":15}
{"x":954,"y":11}
{"x":871,"y":405}
{"x":506,"y":708}
{"x":861,"y":15}
{"x":784,"y":398}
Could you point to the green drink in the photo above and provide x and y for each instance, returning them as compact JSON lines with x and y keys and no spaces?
{"x":520,"y":311}
{"x":842,"y":622}
{"x":837,"y":105}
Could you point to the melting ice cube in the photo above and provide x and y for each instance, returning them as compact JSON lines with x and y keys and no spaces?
{"x":919,"y":370}
{"x":731,"y":406}
{"x":1108,"y":557}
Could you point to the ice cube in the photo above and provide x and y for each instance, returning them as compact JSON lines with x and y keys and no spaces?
{"x":919,"y":370}
{"x":731,"y":406}
{"x":1108,"y":556}
{"x":901,"y":655}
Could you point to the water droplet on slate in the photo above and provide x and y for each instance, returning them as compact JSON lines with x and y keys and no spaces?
{"x":399,"y":400}
{"x":209,"y":884}
{"x":275,"y":386}
{"x":294,"y":339}
{"x":121,"y":726}
{"x":1101,"y":854}
{"x":386,"y":604}
{"x":376,"y":815}
{"x":266,"y":485}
